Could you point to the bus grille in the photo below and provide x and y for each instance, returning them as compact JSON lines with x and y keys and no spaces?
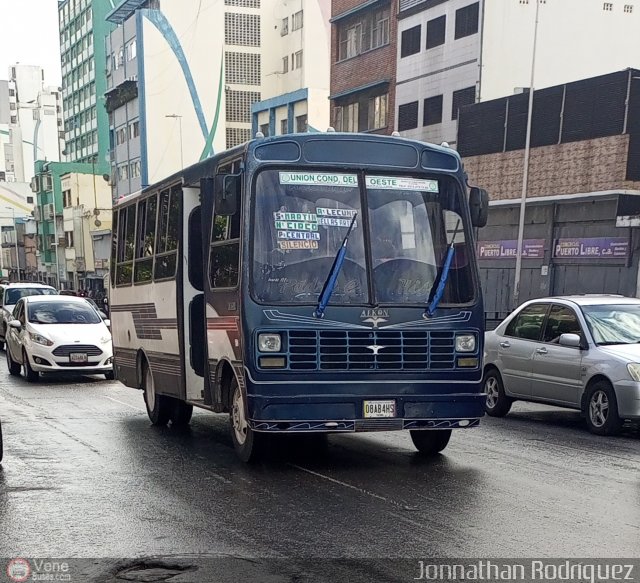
{"x":371,"y":350}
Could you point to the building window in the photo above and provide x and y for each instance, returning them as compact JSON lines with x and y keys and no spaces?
{"x":461,"y":98}
{"x":432,"y":114}
{"x":243,"y":3}
{"x":29,"y":200}
{"x":284,"y":29}
{"x":242,"y":29}
{"x":436,"y":30}
{"x":121,"y":136}
{"x":377,"y":112}
{"x":239,"y":105}
{"x":134,"y":169}
{"x":14,"y":119}
{"x":134,"y":130}
{"x":69,"y":237}
{"x":467,"y":20}
{"x":131,"y":50}
{"x":242,"y":68}
{"x":264,"y":129}
{"x":285,"y":64}
{"x":284,"y":126}
{"x":301,"y":123}
{"x":368,"y":32}
{"x":628,"y":8}
{"x":296,"y":60}
{"x":410,"y":43}
{"x":66,"y":198}
{"x":123,"y":172}
{"x":296,"y":21}
{"x":408,"y":116}
{"x":607,"y":7}
{"x":347,"y":118}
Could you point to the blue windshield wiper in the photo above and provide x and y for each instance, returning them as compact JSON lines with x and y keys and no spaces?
{"x":332,"y":278}
{"x":444,"y":275}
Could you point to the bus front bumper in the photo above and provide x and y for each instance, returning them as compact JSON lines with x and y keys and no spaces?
{"x":354,"y":413}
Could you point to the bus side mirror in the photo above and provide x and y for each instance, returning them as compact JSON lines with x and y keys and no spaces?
{"x":479,"y":206}
{"x":227,"y":187}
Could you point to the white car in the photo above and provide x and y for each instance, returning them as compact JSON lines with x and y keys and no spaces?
{"x":10,"y":293}
{"x":58,"y":334}
{"x":581,"y":352}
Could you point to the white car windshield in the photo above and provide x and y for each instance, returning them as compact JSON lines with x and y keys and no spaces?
{"x":62,"y":313}
{"x":617,"y":324}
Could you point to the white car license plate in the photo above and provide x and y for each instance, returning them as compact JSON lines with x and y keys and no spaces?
{"x":379,"y":409}
{"x":78,"y":357}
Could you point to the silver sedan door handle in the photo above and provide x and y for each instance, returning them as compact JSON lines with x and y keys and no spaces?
{"x":541,"y":350}
{"x":505,"y":344}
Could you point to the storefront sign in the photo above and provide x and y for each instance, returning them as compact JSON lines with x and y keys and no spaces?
{"x":531,"y":249}
{"x":593,"y":248}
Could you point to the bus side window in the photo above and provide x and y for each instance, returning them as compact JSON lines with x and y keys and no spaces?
{"x":114,"y":248}
{"x":145,"y":240}
{"x":169,"y":216}
{"x":126,"y":236}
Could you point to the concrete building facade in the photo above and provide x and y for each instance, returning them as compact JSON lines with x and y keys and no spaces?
{"x":296,"y":68}
{"x":30,"y":122}
{"x":452,"y":53}
{"x":83,"y":29}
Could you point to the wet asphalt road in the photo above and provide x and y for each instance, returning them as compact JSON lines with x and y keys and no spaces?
{"x":86,"y":475}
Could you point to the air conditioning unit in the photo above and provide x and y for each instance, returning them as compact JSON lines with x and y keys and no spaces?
{"x":49,"y":211}
{"x":37,"y":214}
{"x":38,"y":253}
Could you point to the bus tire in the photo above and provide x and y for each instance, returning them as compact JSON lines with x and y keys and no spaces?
{"x":180,"y":413}
{"x":430,"y":442}
{"x":249,"y":445}
{"x":158,"y":406}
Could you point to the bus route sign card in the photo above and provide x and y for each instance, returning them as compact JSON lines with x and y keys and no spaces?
{"x":379,"y":408}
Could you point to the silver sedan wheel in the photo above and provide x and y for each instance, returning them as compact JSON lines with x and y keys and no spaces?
{"x":491,"y":388}
{"x":239,"y":420}
{"x":599,"y":408}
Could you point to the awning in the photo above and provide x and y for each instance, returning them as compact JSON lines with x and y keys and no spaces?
{"x":356,"y":9}
{"x":347,"y":92}
{"x":125,"y":9}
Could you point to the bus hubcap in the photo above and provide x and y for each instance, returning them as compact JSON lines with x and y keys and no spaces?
{"x":239,"y":420}
{"x":599,"y":408}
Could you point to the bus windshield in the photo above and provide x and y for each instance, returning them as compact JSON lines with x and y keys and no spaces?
{"x":302,"y":217}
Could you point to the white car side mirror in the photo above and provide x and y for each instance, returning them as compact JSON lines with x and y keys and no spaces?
{"x":107,"y":323}
{"x":15,"y":324}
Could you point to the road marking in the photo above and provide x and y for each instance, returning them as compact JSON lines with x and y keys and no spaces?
{"x":345,"y":484}
{"x":126,"y":404}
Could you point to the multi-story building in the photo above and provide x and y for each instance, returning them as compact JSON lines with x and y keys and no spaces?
{"x":73,"y":208}
{"x":83,"y":28}
{"x":170,"y":102}
{"x":363,"y":65}
{"x":296,"y":68}
{"x":30,"y":122}
{"x":16,"y":218}
{"x":452,"y":53}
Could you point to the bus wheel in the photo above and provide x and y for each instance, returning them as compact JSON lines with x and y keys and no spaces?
{"x":158,"y":406}
{"x":430,"y":442}
{"x":247,"y":443}
{"x":180,"y":413}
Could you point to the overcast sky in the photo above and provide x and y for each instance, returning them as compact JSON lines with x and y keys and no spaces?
{"x":30,"y":36}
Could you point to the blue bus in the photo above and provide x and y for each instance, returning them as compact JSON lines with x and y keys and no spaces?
{"x":322,"y":283}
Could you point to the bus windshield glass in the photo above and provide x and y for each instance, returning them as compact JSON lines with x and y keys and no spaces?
{"x":301,"y":219}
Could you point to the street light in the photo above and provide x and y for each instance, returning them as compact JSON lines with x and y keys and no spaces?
{"x":179,"y":118}
{"x":525,"y":171}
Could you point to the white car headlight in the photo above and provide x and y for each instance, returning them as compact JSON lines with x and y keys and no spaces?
{"x":465,"y":343}
{"x":40,"y":339}
{"x":269,"y":342}
{"x":634,"y":371}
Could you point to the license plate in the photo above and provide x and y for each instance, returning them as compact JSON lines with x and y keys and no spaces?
{"x":78,"y":357}
{"x":379,"y":409}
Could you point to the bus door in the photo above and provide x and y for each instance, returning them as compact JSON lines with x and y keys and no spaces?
{"x":221,"y":256}
{"x":192,"y":300}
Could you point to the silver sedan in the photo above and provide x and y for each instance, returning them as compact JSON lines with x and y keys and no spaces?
{"x":581,"y":352}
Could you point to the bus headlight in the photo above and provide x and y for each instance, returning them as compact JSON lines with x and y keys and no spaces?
{"x":465,"y":343}
{"x":269,"y":342}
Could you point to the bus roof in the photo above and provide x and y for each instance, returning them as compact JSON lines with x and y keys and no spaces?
{"x":331,"y":148}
